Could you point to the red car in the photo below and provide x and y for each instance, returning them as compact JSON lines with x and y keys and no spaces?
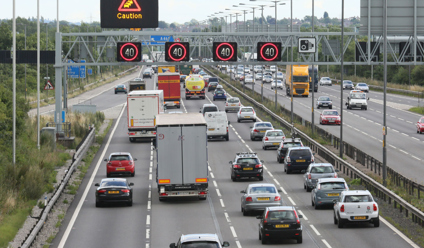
{"x":329,"y":117}
{"x":120,"y":163}
{"x":420,"y":125}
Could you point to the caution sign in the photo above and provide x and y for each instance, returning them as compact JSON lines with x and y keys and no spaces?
{"x":48,"y":86}
{"x":129,"y":13}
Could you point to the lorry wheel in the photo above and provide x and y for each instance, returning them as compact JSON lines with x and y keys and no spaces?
{"x":161,"y":199}
{"x":178,"y":106}
{"x":131,"y":140}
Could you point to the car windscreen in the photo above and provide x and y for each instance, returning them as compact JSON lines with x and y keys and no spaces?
{"x":300,"y":153}
{"x":281,"y":215}
{"x":246,"y":110}
{"x":263,"y":125}
{"x":330,"y":113}
{"x":233,"y":100}
{"x":119,"y":157}
{"x":210,"y":109}
{"x":358,"y":198}
{"x":332,"y":185}
{"x":262,"y":189}
{"x":362,"y":84}
{"x":323,"y":98}
{"x":120,"y":86}
{"x":200,"y":244}
{"x":212,"y":79}
{"x":358,"y":96}
{"x":248,"y":161}
{"x":326,"y":78}
{"x":322,"y":169}
{"x":113,"y":184}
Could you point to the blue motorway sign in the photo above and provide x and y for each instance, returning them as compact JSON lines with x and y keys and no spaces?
{"x":82,"y":69}
{"x":73,"y":71}
{"x":158,"y":40}
{"x":90,"y":71}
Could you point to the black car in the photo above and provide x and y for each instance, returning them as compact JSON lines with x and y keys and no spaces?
{"x":147,"y":74}
{"x":114,"y":190}
{"x":212,"y":86}
{"x":248,"y":165}
{"x":213,"y":79}
{"x":278,"y":223}
{"x":120,"y":88}
{"x":298,"y":158}
{"x":324,"y":102}
{"x":285,"y":145}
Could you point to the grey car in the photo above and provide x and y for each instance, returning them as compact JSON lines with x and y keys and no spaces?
{"x":324,"y":102}
{"x":258,"y":196}
{"x":327,"y":190}
{"x":315,"y":171}
{"x":259,"y":129}
{"x":347,"y":84}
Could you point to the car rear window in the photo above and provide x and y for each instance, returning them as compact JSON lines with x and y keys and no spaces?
{"x":246,"y":110}
{"x":113,"y":183}
{"x":200,"y":244}
{"x":248,"y":160}
{"x":358,"y":198}
{"x":300,"y":153}
{"x":210,"y":109}
{"x":263,"y":125}
{"x":273,"y":134}
{"x":212,"y":83}
{"x":332,"y":185}
{"x":259,"y":190}
{"x":322,"y":169}
{"x":281,"y":215}
{"x":219,"y":92}
{"x":120,"y":86}
{"x":119,"y":157}
{"x":233,"y":100}
{"x":330,"y":113}
{"x":213,"y":79}
{"x":286,"y":145}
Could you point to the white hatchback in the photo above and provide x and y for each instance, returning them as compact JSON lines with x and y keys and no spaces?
{"x":273,"y":138}
{"x":246,"y":113}
{"x":277,"y":84}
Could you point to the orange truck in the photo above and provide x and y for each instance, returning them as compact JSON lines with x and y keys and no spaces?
{"x":169,"y":82}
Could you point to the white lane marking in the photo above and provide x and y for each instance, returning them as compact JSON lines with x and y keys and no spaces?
{"x":209,"y":168}
{"x":238,"y":244}
{"x":233,"y":232}
{"x":303,"y":215}
{"x":401,"y":119}
{"x":415,"y":138}
{"x":218,"y":193}
{"x":149,"y":195}
{"x":227,"y":217}
{"x":417,"y":158}
{"x":403,"y":151}
{"x":149,"y":205}
{"x":410,"y":122}
{"x":89,"y":184}
{"x":148,"y":219}
{"x":399,"y":233}
{"x":150,"y":170}
{"x":315,"y":230}
{"x":282,"y":189}
{"x":326,"y":243}
{"x":214,"y":183}
{"x":290,"y":199}
{"x":150,"y":177}
{"x":222,"y":203}
{"x":393,"y":146}
{"x":394,"y":130}
{"x":405,"y":134}
{"x":277,"y":182}
{"x":212,"y":175}
{"x":147,"y":233}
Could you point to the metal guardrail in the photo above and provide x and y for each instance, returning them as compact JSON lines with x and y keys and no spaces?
{"x":43,"y":215}
{"x":348,"y":169}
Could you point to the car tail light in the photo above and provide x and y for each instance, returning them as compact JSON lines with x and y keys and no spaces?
{"x":154,"y":133}
{"x":309,"y":176}
{"x":237,"y":166}
{"x":240,"y":111}
{"x":335,"y":175}
{"x":101,"y":191}
{"x":288,"y":160}
{"x":125,"y":191}
{"x":240,"y":105}
{"x":297,"y":218}
{"x":131,"y":133}
{"x":277,"y":198}
{"x":163,"y":194}
{"x":342,"y":208}
{"x":130,"y":163}
{"x":255,"y":131}
{"x":249,"y":199}
{"x":258,"y":166}
{"x":203,"y":193}
{"x":226,"y":104}
{"x":266,"y":138}
{"x":253,"y":111}
{"x":375,"y":207}
{"x":312,"y":159}
{"x":319,"y":186}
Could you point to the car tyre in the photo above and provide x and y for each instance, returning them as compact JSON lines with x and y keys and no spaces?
{"x":130,"y":203}
{"x":260,"y":236}
{"x":264,"y":240}
{"x":238,"y":120}
{"x":133,"y":174}
{"x":299,"y":240}
{"x":214,"y":99}
{"x":334,"y":218}
{"x":131,"y":140}
{"x":331,"y":107}
{"x":308,"y":189}
{"x":107,"y":175}
{"x":98,"y":204}
{"x":340,"y":223}
{"x":316,"y":206}
{"x":288,"y":171}
{"x":254,"y":120}
{"x":245,"y":212}
{"x":251,"y":138}
{"x":261,"y":178}
{"x":116,"y":92}
{"x":312,"y":203}
{"x":263,"y":147}
{"x":376,"y":222}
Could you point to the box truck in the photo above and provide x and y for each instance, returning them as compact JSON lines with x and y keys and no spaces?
{"x":142,"y":108}
{"x":170,"y":84}
{"x":181,"y":156}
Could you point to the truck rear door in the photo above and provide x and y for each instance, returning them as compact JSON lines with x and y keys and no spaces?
{"x":195,"y":167}
{"x":142,"y":111}
{"x":170,"y":169}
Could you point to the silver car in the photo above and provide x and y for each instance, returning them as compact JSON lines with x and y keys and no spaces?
{"x":362,"y":87}
{"x":325,"y":81}
{"x":258,"y":76}
{"x":315,"y":171}
{"x":267,"y":79}
{"x":273,"y":138}
{"x":278,"y":84}
{"x":258,"y":196}
{"x":232,"y":104}
{"x":327,"y":190}
{"x":249,"y":79}
{"x":246,"y":113}
{"x":259,"y":129}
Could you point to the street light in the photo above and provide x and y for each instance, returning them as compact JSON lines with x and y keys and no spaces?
{"x":275,"y":2}
{"x":236,"y":14}
{"x":251,"y":12}
{"x":244,"y":14}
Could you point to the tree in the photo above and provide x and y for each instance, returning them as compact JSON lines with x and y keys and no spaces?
{"x":163,"y":24}
{"x":326,"y":15}
{"x":173,"y":25}
{"x":417,"y":75}
{"x":5,"y":37}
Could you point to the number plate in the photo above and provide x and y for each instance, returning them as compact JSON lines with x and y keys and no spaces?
{"x":275,"y":144}
{"x":247,"y":117}
{"x":233,"y":105}
{"x":359,"y":218}
{"x":333,"y":194}
{"x":300,"y":160}
{"x":331,"y":121}
{"x":113,"y":192}
{"x":262,"y":198}
{"x":219,"y":94}
{"x":263,"y":131}
{"x":120,"y":89}
{"x":119,"y":169}
{"x":211,"y":129}
{"x":282,"y":226}
{"x":248,"y":168}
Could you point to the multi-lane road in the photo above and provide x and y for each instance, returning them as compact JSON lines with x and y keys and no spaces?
{"x":150,"y":223}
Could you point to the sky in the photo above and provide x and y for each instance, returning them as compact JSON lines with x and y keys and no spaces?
{"x":179,"y":11}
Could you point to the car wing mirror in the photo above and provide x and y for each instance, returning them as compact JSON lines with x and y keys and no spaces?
{"x":368,"y":99}
{"x":172,"y":245}
{"x":279,"y":190}
{"x":225,"y":244}
{"x":229,"y":122}
{"x":334,"y":201}
{"x":243,"y":191}
{"x":300,"y":216}
{"x":259,"y":217}
{"x":96,"y":184}
{"x":135,"y":159}
{"x":200,"y":111}
{"x":105,"y":160}
{"x":131,"y":184}
{"x":262,"y":161}
{"x":337,"y":170}
{"x":230,"y":162}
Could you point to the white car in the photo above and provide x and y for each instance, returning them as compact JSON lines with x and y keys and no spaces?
{"x":273,"y":138}
{"x":278,"y":84}
{"x":273,"y":68}
{"x":249,"y":79}
{"x":246,"y":113}
{"x":267,"y":79}
{"x":247,"y":70}
{"x":325,"y":81}
{"x":354,"y":206}
{"x":232,"y":104}
{"x":280,"y":75}
{"x":257,"y":68}
{"x":258,"y":76}
{"x":362,"y":87}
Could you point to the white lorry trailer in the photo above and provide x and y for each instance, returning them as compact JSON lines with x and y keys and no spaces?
{"x":142,"y":108}
{"x":182,"y":156}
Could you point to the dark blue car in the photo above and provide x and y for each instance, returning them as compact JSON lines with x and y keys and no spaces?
{"x":220,"y":94}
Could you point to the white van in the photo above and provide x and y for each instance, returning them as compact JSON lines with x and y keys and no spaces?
{"x":357,"y":99}
{"x":217,"y":125}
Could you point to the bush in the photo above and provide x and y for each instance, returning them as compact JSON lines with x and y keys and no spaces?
{"x":32,"y":183}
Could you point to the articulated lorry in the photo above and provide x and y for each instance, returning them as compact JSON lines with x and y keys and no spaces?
{"x":137,"y":85}
{"x":300,"y":80}
{"x":182,"y":156}
{"x":195,"y":87}
{"x":185,"y":69}
{"x":142,"y":108}
{"x":315,"y":80}
{"x":170,"y":84}
{"x":166,"y":68}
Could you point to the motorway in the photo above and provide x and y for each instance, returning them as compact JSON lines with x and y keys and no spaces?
{"x":150,"y":223}
{"x":364,"y":128}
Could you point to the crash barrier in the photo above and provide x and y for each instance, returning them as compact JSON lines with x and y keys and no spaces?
{"x":382,"y":192}
{"x":58,"y":191}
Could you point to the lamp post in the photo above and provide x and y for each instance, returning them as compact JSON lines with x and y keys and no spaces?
{"x":244,"y":14}
{"x":276,"y":26}
{"x":253,"y":14}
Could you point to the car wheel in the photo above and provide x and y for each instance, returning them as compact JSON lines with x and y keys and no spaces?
{"x":251,"y":138}
{"x":133,"y":174}
{"x":278,"y":159}
{"x":317,"y":107}
{"x":161,"y":199}
{"x":261,"y":178}
{"x":233,"y":178}
{"x":98,"y":204}
{"x":340,"y":223}
{"x":288,"y":171}
{"x":263,"y":147}
{"x":335,"y":219}
{"x":312,"y":202}
{"x":214,"y":99}
{"x":365,"y":108}
{"x":130,"y":203}
{"x":131,"y":139}
{"x":107,"y":175}
{"x":264,"y":240}
{"x":331,"y":107}
{"x":245,"y":212}
{"x":226,"y":111}
{"x":316,"y":206}
{"x":299,"y":240}
{"x":116,"y":92}
{"x":376,"y":222}
{"x":254,"y":120}
{"x":308,"y":189}
{"x":260,"y":236}
{"x":238,"y":120}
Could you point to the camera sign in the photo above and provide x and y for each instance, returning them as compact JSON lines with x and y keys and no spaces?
{"x":307,"y":45}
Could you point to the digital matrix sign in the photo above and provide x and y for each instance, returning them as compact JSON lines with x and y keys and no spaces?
{"x":224,"y":51}
{"x":129,"y":13}
{"x":177,"y":51}
{"x":269,"y":51}
{"x":128,"y":51}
